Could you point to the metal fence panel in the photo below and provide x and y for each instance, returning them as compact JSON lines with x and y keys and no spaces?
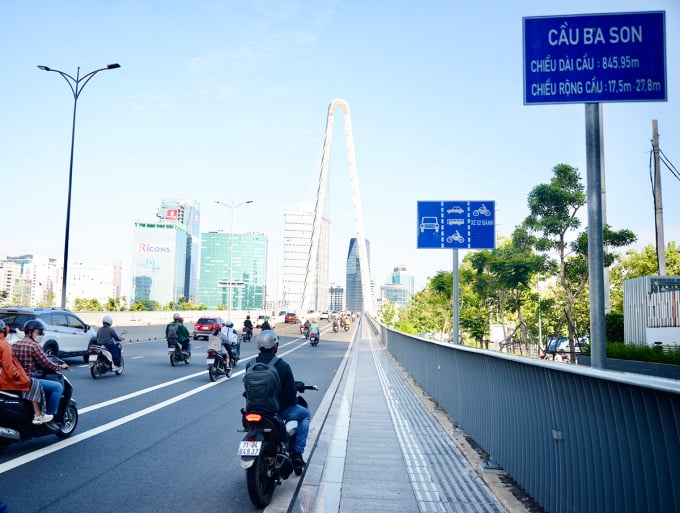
{"x":576,"y":439}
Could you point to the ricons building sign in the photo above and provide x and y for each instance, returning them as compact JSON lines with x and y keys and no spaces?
{"x":145,"y":247}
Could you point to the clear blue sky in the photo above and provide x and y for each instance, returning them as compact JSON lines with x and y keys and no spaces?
{"x":227,"y":100}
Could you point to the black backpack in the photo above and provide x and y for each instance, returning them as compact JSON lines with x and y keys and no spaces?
{"x":262,"y":386}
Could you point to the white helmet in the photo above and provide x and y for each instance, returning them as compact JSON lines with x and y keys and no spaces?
{"x":107,"y":320}
{"x":267,"y":339}
{"x":175,"y":316}
{"x":229,"y":324}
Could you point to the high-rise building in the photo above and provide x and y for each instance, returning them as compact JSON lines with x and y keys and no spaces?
{"x":236,"y":261}
{"x":165,"y":254}
{"x":400,"y":290}
{"x":354,"y":300}
{"x":94,"y":281}
{"x":337,"y":298}
{"x":296,"y":247}
{"x":30,"y":280}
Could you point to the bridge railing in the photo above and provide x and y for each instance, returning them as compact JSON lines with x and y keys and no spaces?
{"x":576,"y":439}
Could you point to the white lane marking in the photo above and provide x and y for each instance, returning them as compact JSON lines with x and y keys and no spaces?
{"x":63,"y":444}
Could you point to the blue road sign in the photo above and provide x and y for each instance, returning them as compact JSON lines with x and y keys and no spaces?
{"x":457,"y":224}
{"x":593,"y":58}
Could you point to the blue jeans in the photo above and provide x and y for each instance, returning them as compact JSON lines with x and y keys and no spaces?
{"x":53,"y":390}
{"x":115,"y":352}
{"x":301,"y":414}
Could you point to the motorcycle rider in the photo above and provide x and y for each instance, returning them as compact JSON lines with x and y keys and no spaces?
{"x":31,"y":357}
{"x":107,"y":337}
{"x":180,"y":334}
{"x":314,"y":328}
{"x":232,"y":337}
{"x":248,"y":325}
{"x":268,"y":344}
{"x":220,"y":342}
{"x":13,"y":377}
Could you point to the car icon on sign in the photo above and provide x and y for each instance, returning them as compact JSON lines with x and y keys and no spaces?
{"x":454,"y":210}
{"x":429,"y":223}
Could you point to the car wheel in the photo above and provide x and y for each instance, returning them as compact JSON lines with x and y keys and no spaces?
{"x":195,"y":337}
{"x":51,"y":349}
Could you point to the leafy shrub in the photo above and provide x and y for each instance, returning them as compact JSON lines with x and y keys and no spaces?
{"x":614,"y":327}
{"x":640,"y":353}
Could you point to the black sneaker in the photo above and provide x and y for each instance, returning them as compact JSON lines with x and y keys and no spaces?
{"x":298,"y":463}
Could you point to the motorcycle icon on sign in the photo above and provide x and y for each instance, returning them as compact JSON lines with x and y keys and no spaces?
{"x":455,"y":236}
{"x":482,"y":211}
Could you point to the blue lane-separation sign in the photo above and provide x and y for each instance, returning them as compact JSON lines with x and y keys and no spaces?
{"x":592,"y":58}
{"x":457,"y":224}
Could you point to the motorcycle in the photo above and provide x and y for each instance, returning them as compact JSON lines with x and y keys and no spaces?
{"x":177,"y":355}
{"x":345,"y":326}
{"x":305,"y":331}
{"x":217,"y":365}
{"x":101,"y":360}
{"x":314,"y":339}
{"x":247,"y":334}
{"x":266,"y":450}
{"x":16,"y":414}
{"x":336,"y":327}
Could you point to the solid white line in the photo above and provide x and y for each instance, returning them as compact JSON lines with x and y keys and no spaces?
{"x":63,"y":444}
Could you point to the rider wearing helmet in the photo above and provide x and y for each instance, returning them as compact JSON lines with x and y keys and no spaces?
{"x":268,"y":344}
{"x":232,"y":337}
{"x":31,"y":356}
{"x":180,"y":334}
{"x":107,"y":336}
{"x":248,"y":325}
{"x":13,"y":377}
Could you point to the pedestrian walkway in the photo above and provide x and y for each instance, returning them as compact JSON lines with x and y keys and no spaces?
{"x":382,"y":450}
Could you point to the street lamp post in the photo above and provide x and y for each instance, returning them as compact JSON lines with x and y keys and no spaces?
{"x":76,"y":84}
{"x":232,"y":207}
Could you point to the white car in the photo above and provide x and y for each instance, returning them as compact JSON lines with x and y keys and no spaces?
{"x":65,"y":333}
{"x":325,"y":316}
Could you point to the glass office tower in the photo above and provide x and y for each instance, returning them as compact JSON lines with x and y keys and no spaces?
{"x":233,"y":263}
{"x":354,"y":301}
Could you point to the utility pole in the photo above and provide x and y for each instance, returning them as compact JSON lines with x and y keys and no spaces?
{"x":658,"y":207}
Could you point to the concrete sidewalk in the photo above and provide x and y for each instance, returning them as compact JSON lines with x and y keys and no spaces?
{"x":382,"y":449}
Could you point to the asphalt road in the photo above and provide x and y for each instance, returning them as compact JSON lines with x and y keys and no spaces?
{"x":157,"y":438}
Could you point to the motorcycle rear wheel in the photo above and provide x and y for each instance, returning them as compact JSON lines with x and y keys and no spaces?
{"x":260,"y":485}
{"x":173,"y":358}
{"x":214,"y":371}
{"x":69,"y":423}
{"x":96,"y":370}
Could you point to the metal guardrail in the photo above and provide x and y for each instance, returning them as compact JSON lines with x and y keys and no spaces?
{"x":576,"y":439}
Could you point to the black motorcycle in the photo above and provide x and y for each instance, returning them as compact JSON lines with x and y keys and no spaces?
{"x":314,"y":339}
{"x":217,"y":365}
{"x":266,"y":450}
{"x":247,"y":334}
{"x":16,"y":414}
{"x":177,"y":354}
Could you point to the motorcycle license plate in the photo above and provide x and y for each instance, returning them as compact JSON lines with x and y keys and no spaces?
{"x":93,"y":358}
{"x":246,"y":448}
{"x":210,"y":361}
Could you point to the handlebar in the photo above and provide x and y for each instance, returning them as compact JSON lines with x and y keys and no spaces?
{"x":301,"y":387}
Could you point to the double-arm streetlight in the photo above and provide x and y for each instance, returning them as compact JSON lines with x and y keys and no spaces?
{"x":232,"y":207}
{"x":76,"y":84}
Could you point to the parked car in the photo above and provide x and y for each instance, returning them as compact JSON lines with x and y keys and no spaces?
{"x":205,"y":326}
{"x":291,"y":317}
{"x":66,"y":334}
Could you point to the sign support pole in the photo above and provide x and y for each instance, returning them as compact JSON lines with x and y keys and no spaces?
{"x":456,"y":303}
{"x":598,"y":347}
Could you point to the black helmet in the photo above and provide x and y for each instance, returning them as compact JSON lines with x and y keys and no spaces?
{"x":33,"y":324}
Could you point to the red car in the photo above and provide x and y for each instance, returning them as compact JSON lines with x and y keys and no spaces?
{"x":291,"y":317}
{"x":205,"y":326}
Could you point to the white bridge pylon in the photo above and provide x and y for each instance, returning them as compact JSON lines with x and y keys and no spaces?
{"x":356,"y":201}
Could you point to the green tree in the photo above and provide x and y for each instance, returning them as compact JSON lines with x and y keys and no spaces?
{"x":553,"y":210}
{"x":387,"y":313}
{"x":145,"y":305}
{"x":87,"y":305}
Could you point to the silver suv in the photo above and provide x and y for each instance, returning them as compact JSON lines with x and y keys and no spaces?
{"x":65,"y":333}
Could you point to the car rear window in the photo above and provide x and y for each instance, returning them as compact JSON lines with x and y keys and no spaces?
{"x":206,"y":320}
{"x":16,"y":320}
